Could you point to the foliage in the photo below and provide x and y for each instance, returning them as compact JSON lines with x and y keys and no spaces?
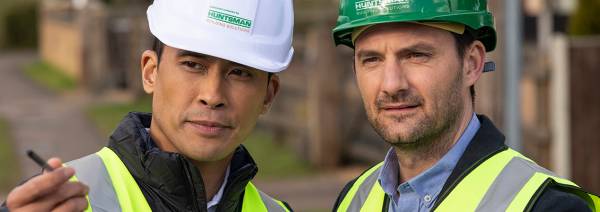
{"x":18,"y":24}
{"x":585,"y":20}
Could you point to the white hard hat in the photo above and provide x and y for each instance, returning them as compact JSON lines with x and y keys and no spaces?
{"x":256,"y":33}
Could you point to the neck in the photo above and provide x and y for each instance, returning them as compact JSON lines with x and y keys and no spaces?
{"x":414,"y":161}
{"x":213,"y":174}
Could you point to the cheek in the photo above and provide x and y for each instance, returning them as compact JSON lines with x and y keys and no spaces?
{"x":438,"y":89}
{"x":246,"y":109}
{"x":368,"y":86}
{"x":246,"y":102}
{"x":172,"y":97}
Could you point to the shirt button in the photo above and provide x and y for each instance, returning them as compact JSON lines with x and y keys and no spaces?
{"x":427,"y":198}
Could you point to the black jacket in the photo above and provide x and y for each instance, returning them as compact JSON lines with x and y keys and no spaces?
{"x":169,"y":181}
{"x":487,"y":141}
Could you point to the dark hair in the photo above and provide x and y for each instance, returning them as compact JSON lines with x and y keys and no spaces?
{"x":462,"y":43}
{"x":158,"y":46}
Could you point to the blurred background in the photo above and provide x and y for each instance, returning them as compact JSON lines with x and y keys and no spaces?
{"x":69,"y":71}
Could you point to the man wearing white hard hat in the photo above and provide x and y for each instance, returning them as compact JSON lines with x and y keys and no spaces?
{"x":211,"y":75}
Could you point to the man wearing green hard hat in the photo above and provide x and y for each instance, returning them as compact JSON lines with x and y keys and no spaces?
{"x":416,"y":63}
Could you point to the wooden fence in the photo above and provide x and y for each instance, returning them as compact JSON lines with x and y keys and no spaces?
{"x":585,"y":111}
{"x":99,"y":46}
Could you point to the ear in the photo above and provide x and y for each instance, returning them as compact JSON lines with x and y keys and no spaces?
{"x":149,"y":64}
{"x":474,"y":60}
{"x":272,"y":90}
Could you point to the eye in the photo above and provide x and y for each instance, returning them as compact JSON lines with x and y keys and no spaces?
{"x":370,"y":60}
{"x":194,"y":66}
{"x":240,"y":73}
{"x":419,"y":57}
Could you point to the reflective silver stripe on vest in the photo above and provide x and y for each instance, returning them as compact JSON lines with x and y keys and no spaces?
{"x":91,"y":171}
{"x":269,"y":202}
{"x":509,"y":182}
{"x":363,"y":191}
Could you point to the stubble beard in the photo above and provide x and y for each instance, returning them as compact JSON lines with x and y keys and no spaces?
{"x":430,"y":132}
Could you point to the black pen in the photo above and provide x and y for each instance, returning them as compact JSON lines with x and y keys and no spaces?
{"x":39,"y":160}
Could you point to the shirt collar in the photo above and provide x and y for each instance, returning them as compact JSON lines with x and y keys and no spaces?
{"x":429,"y":182}
{"x":217,"y":197}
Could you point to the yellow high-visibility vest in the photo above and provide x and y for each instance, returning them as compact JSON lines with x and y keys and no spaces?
{"x":507,"y":181}
{"x":112,"y":188}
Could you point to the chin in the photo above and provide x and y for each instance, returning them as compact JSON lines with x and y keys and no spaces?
{"x":205,"y":150}
{"x":206,"y":156}
{"x":396,"y":132}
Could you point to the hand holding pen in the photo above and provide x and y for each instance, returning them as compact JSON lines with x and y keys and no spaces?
{"x":49,"y":191}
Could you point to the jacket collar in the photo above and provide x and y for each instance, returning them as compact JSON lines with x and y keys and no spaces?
{"x":171,"y":176}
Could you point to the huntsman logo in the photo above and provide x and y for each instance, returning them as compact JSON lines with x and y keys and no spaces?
{"x":230,"y":19}
{"x":232,"y":14}
{"x":370,"y":4}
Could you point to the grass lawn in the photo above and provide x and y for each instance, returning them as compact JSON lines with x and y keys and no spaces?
{"x":50,"y":77}
{"x":107,"y":116}
{"x":274,"y":161}
{"x":9,"y":174}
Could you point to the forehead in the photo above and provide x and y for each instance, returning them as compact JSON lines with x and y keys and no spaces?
{"x":403,"y":34}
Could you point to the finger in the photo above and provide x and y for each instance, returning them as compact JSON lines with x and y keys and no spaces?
{"x":73,"y":204}
{"x":39,"y":186}
{"x":66,"y":191}
{"x":55,"y":163}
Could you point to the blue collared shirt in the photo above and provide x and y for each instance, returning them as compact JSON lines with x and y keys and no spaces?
{"x":419,"y":193}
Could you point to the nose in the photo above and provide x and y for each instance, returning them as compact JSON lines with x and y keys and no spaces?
{"x":394,"y":79}
{"x":212,"y":104}
{"x":212,"y":92}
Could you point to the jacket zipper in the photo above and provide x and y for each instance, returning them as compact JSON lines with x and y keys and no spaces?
{"x":197,"y":207}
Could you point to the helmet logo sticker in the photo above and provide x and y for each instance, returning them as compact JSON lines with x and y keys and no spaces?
{"x":232,"y":15}
{"x":367,"y":7}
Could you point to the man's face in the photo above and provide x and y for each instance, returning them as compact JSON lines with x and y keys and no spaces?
{"x":203,"y":107}
{"x":411,"y":81}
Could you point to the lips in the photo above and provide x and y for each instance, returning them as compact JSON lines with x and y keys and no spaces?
{"x":397,"y":107}
{"x":208,"y":128}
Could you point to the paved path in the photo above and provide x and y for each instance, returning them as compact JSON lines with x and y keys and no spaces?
{"x":50,"y":124}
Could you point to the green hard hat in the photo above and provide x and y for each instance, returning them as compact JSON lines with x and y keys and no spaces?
{"x":471,"y":13}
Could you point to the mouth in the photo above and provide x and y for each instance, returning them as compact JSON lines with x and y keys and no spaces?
{"x":207,"y":128}
{"x":399,"y":108}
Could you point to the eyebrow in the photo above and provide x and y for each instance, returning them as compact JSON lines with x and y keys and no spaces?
{"x":413,"y":48}
{"x":186,"y":53}
{"x":367,"y":53}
